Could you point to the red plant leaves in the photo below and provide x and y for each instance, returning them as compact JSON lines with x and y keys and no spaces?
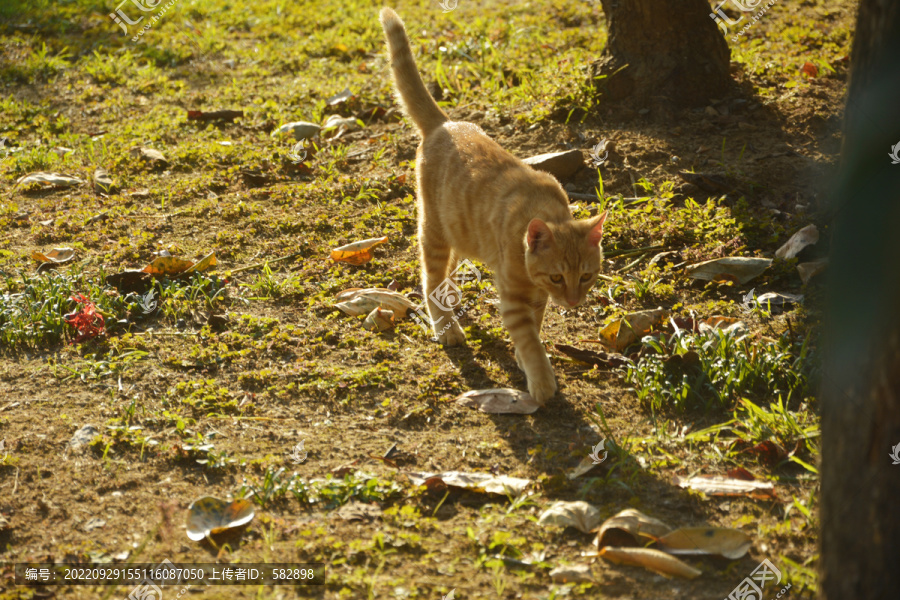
{"x":87,"y":320}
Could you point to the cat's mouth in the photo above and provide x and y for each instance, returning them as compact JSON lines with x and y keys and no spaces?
{"x":565,"y":303}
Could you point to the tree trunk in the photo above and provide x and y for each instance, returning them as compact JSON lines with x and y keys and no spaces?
{"x":860,"y":509}
{"x":662,"y":52}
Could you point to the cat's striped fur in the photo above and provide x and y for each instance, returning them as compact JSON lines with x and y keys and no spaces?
{"x":475,"y":200}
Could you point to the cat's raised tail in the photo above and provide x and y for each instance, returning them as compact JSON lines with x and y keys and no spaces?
{"x":419,"y":104}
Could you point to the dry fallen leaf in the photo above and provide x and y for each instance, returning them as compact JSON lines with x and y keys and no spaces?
{"x":723,"y":541}
{"x":203,"y":264}
{"x":103,"y":183}
{"x":734,"y":268}
{"x":500,"y":484}
{"x":627,"y":330}
{"x":172,"y":265}
{"x":571,"y":574}
{"x":807,"y":236}
{"x":361,"y":301}
{"x":719,"y":322}
{"x":57,"y":256}
{"x":725,"y":324}
{"x":338,"y":98}
{"x":379,"y":319}
{"x":154,"y":157}
{"x":209,"y":516}
{"x":357,"y":253}
{"x":627,"y":527}
{"x":650,"y":558}
{"x":168,"y":265}
{"x":357,"y":306}
{"x":337,"y":121}
{"x":811,"y":269}
{"x":351,"y":293}
{"x":500,"y":401}
{"x":714,"y":485}
{"x":47,"y":180}
{"x":580,"y":515}
{"x":301,"y":130}
{"x":741,"y":473}
{"x":769,"y":451}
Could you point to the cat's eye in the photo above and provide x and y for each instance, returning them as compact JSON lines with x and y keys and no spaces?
{"x":556,"y":278}
{"x":586,"y":277}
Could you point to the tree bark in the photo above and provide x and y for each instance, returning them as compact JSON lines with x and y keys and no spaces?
{"x":662,"y":52}
{"x":860,"y":507}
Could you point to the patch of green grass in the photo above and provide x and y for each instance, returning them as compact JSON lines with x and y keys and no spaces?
{"x":330,"y":493}
{"x":706,"y":230}
{"x":101,"y":364}
{"x":202,"y":450}
{"x":33,"y":307}
{"x":177,"y":298}
{"x":795,"y":432}
{"x":205,"y":396}
{"x":37,"y":64}
{"x":714,"y":369}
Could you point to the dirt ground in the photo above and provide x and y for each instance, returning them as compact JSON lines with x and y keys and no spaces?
{"x":187,"y":406}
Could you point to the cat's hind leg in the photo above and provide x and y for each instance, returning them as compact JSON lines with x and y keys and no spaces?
{"x":441,"y":293}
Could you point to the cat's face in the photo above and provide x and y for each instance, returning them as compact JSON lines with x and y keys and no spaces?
{"x":564,"y":259}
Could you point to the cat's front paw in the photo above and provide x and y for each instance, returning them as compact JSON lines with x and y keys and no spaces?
{"x":452,"y":336}
{"x":542,"y":388}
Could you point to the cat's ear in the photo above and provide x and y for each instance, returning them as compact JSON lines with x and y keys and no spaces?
{"x":595,"y":233}
{"x":538,"y":234}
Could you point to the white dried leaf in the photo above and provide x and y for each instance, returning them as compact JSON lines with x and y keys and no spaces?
{"x":580,"y":515}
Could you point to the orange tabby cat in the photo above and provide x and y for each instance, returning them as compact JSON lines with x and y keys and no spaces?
{"x":475,"y":200}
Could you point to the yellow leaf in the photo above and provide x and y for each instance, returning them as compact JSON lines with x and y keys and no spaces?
{"x":650,"y":558}
{"x":57,"y":255}
{"x":379,"y":320}
{"x":723,"y":541}
{"x":357,"y":253}
{"x":623,"y":332}
{"x":168,"y":265}
{"x":623,"y":529}
{"x":203,"y":264}
{"x":720,"y":322}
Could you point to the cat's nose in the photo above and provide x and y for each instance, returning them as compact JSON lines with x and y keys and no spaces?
{"x":572,"y":302}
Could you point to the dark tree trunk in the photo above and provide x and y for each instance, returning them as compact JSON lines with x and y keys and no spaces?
{"x":662,"y":52}
{"x":860,"y":509}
